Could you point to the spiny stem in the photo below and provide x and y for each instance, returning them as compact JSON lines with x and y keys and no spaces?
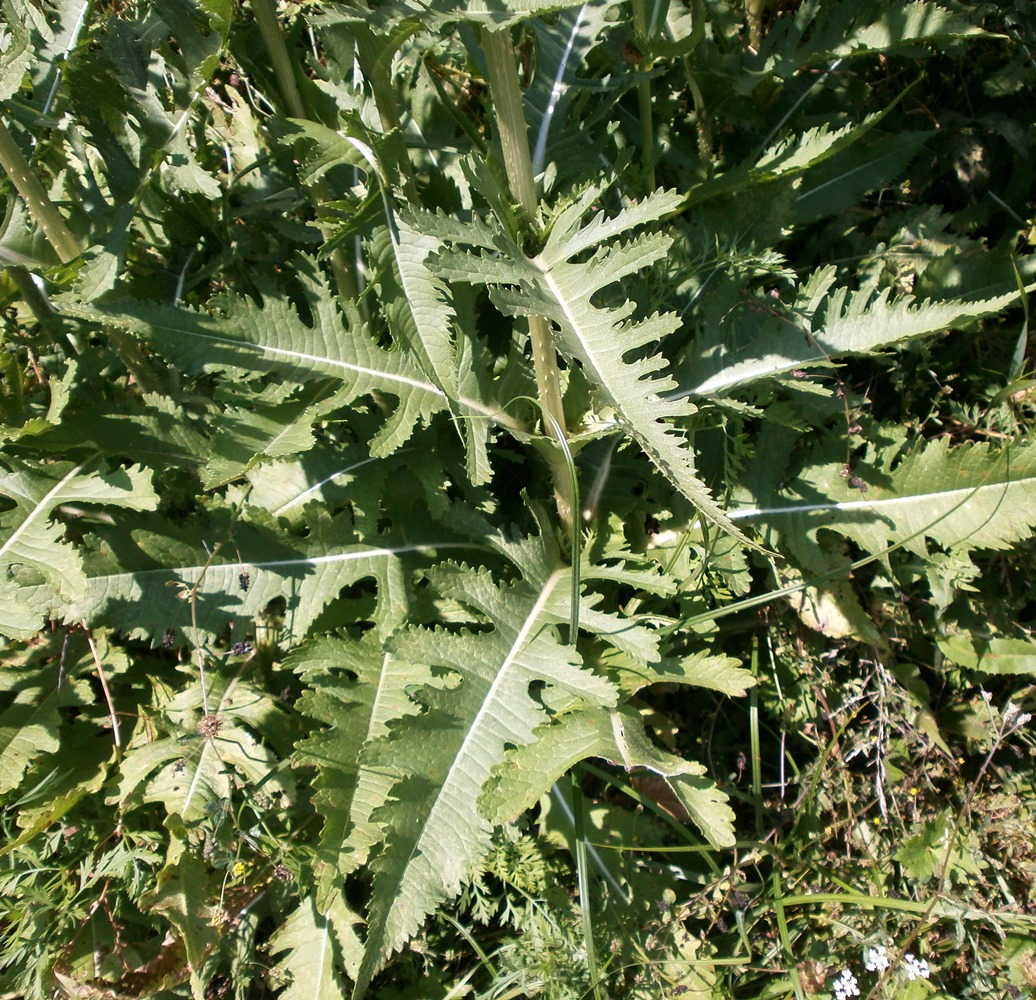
{"x":43,"y":210}
{"x":513,"y":132}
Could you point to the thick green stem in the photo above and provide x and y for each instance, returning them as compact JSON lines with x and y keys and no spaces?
{"x":754,"y":11}
{"x":513,"y":132}
{"x":36,"y":198}
{"x":510,"y":120}
{"x":67,"y":248}
{"x":647,"y":129}
{"x":284,"y":72}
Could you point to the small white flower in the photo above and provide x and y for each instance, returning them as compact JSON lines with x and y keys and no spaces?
{"x":1014,"y":717}
{"x":845,"y":986}
{"x":915,"y":968}
{"x":876,"y":959}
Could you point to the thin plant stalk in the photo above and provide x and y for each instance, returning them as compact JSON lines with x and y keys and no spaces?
{"x":583,"y":874}
{"x":40,"y":307}
{"x":513,"y":131}
{"x":701,"y":112}
{"x":284,"y":73}
{"x":647,"y":130}
{"x":283,"y":70}
{"x":753,"y":734}
{"x":377,"y":70}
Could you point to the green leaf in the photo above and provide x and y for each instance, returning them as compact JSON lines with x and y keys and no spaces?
{"x":840,"y":182}
{"x":249,"y":434}
{"x":996,"y":655}
{"x":415,"y":303}
{"x":787,"y":159}
{"x":155,"y":432}
{"x":616,"y":735}
{"x":77,"y":770}
{"x":355,"y":689}
{"x":563,"y":289}
{"x":32,"y":551}
{"x":715,"y":672}
{"x":317,"y":946}
{"x":972,"y":496}
{"x":141,"y":579}
{"x":328,"y":476}
{"x":421,"y":319}
{"x":822,"y":323}
{"x":435,"y":833}
{"x":191,"y":775}
{"x":182,"y":896}
{"x":16,"y":51}
{"x":30,"y":723}
{"x":825,"y":33}
{"x":562,"y":47}
{"x":275,"y":339}
{"x":906,"y":25}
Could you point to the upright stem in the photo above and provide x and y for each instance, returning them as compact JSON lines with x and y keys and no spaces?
{"x":701,"y":111}
{"x":36,"y":198}
{"x":647,"y":129}
{"x":376,"y":64}
{"x":41,"y":308}
{"x":270,"y":31}
{"x":510,"y":120}
{"x":67,"y":248}
{"x":754,"y":11}
{"x":284,"y":72}
{"x":513,"y":129}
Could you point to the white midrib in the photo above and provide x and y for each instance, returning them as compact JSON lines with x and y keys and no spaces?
{"x":548,"y":279}
{"x":193,"y":787}
{"x":309,"y":491}
{"x":325,"y":951}
{"x":274,"y":564}
{"x":749,"y":371}
{"x":961,"y":494}
{"x":379,"y":716}
{"x":556,"y":90}
{"x":281,"y":352}
{"x":520,"y":641}
{"x":41,"y":507}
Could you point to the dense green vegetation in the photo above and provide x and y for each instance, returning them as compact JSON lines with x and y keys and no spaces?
{"x":517,"y":502}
